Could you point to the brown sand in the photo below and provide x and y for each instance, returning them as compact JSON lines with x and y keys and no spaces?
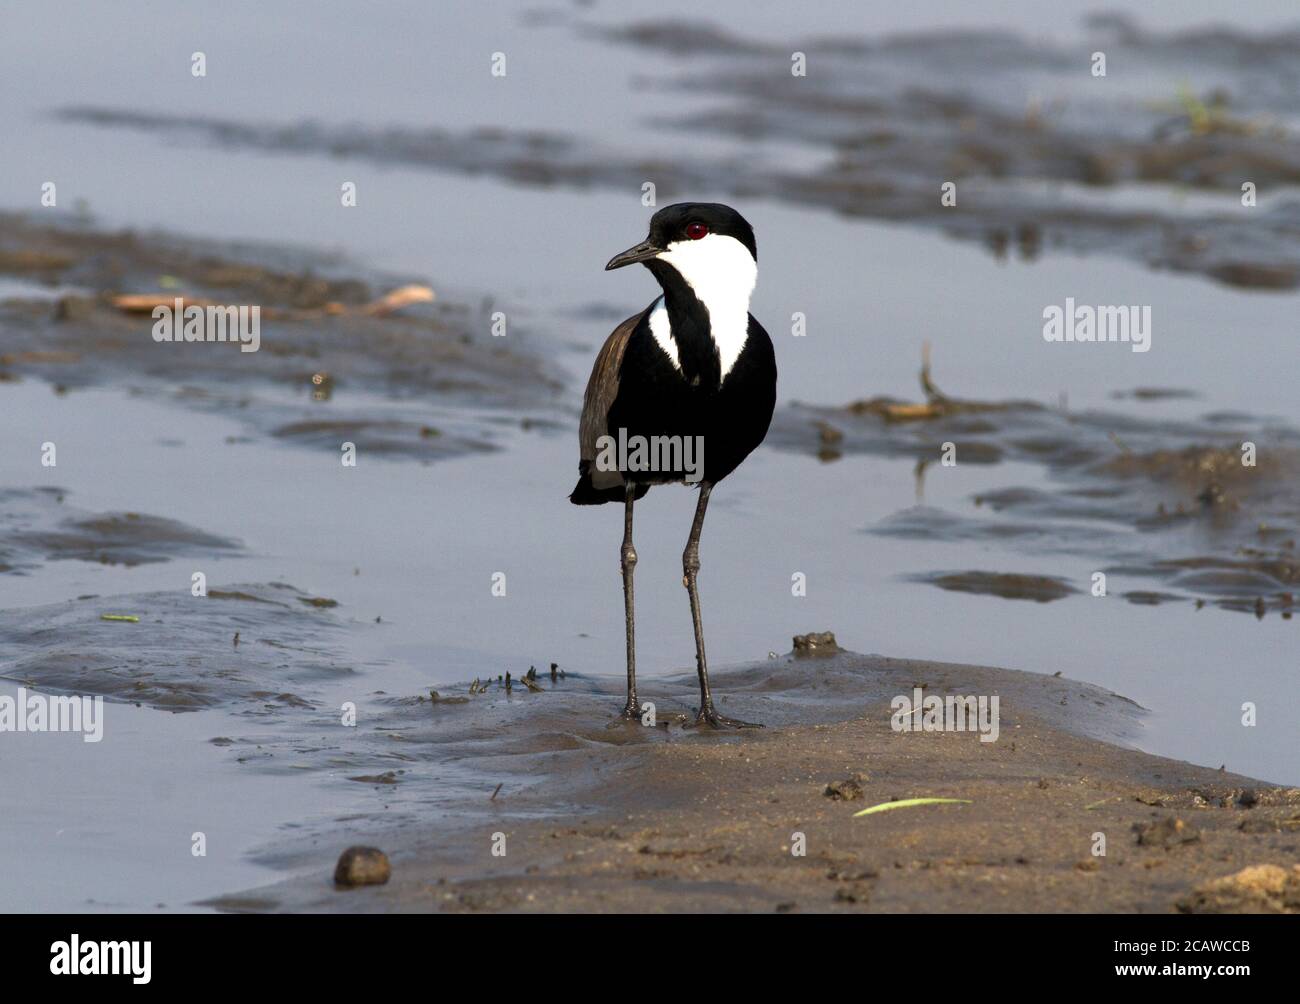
{"x":630,"y":819}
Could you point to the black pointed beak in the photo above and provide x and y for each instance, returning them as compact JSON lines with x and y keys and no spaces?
{"x":642,"y":252}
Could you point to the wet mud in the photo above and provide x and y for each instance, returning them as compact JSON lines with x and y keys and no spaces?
{"x":255,"y":649}
{"x":1008,"y":585}
{"x":44,"y":524}
{"x":599,"y":815}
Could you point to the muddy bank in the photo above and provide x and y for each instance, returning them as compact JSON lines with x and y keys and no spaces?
{"x":1009,"y":585}
{"x":344,"y":354}
{"x":611,"y":817}
{"x":1043,"y":154}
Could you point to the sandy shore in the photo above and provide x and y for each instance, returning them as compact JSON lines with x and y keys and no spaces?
{"x":601,"y":817}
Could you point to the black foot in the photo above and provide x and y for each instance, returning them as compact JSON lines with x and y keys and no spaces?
{"x":630,"y":712}
{"x":708,"y":716}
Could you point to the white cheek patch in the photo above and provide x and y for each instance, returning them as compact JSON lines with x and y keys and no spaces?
{"x":722,"y":273}
{"x":663,"y":332}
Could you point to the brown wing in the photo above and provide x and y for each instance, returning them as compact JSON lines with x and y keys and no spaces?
{"x":602,"y":388}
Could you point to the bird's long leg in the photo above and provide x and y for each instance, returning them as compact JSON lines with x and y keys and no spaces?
{"x":690,"y":573}
{"x":628,"y":561}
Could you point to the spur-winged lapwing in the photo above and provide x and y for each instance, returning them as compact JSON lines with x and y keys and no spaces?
{"x":681,"y":392}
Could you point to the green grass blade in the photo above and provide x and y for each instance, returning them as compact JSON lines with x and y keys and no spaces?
{"x":907,"y":803}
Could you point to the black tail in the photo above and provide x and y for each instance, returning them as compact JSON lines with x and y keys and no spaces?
{"x":585,"y":493}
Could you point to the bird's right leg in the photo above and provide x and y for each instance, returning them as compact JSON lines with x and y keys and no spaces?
{"x":628,"y":555}
{"x":690,"y":574}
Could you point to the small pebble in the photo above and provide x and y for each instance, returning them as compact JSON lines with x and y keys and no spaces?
{"x":362,"y":866}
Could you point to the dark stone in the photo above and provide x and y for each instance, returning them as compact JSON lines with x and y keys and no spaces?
{"x":362,"y":866}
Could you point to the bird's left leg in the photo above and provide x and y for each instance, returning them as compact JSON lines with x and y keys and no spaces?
{"x":628,"y":562}
{"x":690,"y":572}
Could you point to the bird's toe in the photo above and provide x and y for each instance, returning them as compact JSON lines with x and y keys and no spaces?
{"x":710,"y":717}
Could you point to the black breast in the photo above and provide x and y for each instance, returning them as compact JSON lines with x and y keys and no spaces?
{"x":656,"y":398}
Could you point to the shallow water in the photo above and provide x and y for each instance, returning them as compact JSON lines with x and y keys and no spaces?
{"x":416,"y":545}
{"x":426,"y":544}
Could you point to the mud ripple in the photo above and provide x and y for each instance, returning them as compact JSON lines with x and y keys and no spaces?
{"x":248,"y":646}
{"x":37,"y":525}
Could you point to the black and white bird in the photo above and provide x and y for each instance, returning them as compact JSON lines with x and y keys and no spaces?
{"x":693,"y":365}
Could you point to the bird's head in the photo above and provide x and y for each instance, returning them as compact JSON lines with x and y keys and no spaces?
{"x":706,"y":243}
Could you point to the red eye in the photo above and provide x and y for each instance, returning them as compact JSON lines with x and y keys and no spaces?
{"x":696,"y":230}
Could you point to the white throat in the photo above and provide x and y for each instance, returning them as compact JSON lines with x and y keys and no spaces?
{"x":722,"y":273}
